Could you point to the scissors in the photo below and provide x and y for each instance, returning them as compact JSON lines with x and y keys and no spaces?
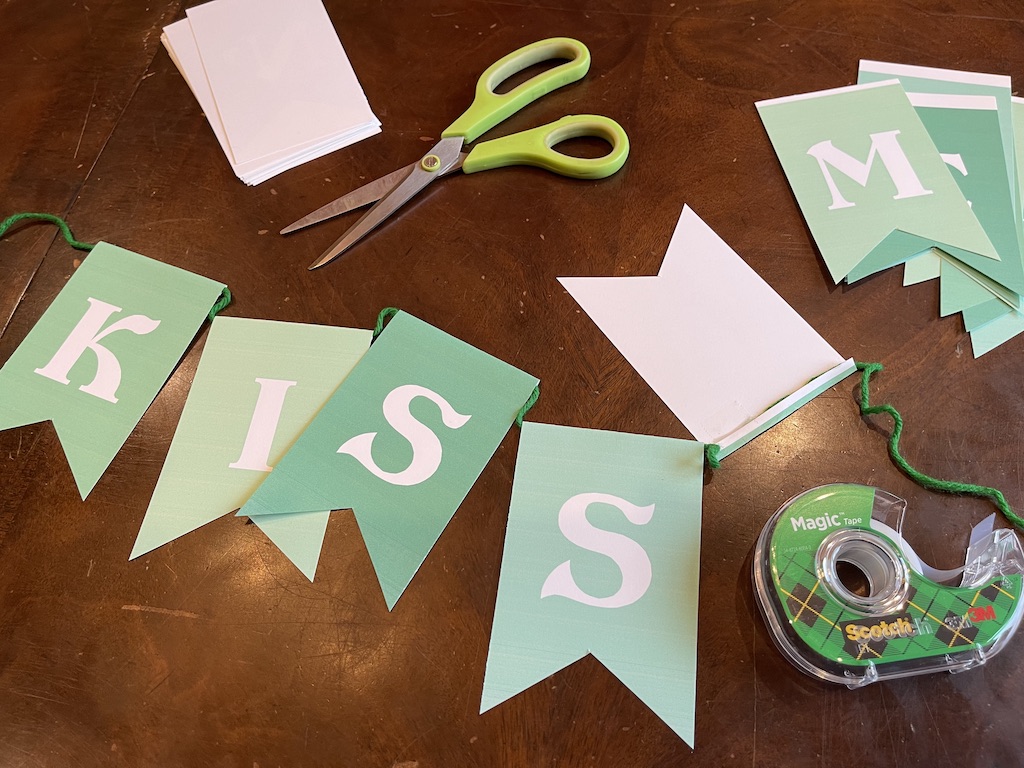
{"x":533,"y":147}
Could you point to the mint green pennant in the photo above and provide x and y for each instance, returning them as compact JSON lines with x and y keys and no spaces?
{"x":1017,"y":115}
{"x":982,"y":314}
{"x":602,"y":556}
{"x":400,"y":442}
{"x":998,"y":331}
{"x":926,"y":81}
{"x":101,"y":352}
{"x":258,"y":386}
{"x":968,"y":118}
{"x":957,"y":290}
{"x":863,"y":168}
{"x":921,"y":268}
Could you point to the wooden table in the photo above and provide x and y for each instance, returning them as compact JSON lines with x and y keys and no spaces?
{"x":214,"y":650}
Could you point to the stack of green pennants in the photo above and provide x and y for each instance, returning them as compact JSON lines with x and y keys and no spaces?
{"x":920,"y":167}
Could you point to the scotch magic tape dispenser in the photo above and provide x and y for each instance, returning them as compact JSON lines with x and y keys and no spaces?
{"x":847,"y":600}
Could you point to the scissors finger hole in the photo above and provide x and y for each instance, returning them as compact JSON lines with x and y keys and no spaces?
{"x":583,"y":147}
{"x":514,"y":79}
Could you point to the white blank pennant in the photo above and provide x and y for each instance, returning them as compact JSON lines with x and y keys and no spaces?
{"x":725,"y":352}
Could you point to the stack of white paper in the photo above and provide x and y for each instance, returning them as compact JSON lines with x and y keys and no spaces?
{"x":273,"y":80}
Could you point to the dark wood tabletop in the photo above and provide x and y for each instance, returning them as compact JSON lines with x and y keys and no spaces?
{"x":242,"y":661}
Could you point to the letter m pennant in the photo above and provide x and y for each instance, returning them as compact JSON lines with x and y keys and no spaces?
{"x":101,"y":352}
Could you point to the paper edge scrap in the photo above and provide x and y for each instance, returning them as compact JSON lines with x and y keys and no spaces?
{"x":756,"y":426}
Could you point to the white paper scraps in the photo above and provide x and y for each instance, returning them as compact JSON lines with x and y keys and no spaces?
{"x":725,"y":352}
{"x":273,"y":80}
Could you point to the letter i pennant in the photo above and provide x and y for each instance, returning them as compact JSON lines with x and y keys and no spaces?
{"x":400,"y":442}
{"x":100,"y":353}
{"x":602,"y":556}
{"x":258,"y":386}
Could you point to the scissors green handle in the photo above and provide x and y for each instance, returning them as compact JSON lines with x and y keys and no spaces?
{"x":536,"y":147}
{"x":490,"y":108}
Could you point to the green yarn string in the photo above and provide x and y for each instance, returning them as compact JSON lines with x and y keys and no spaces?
{"x":382,"y":319}
{"x":711,"y":451}
{"x":530,"y":402}
{"x":10,"y":221}
{"x":219,"y":304}
{"x":925,"y":481}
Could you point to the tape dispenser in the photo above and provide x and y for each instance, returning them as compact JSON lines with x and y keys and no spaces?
{"x":847,"y":600}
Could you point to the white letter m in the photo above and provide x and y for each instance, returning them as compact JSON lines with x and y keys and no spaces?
{"x":883,"y":145}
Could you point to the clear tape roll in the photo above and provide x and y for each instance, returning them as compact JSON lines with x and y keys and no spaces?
{"x":901,"y":616}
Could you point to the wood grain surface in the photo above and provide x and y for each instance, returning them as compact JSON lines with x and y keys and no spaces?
{"x":214,"y":650}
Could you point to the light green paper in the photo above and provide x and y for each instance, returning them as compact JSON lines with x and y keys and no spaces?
{"x":399,"y":524}
{"x":890,"y":252}
{"x":968,"y":116}
{"x":931,"y":80}
{"x":981,"y":314}
{"x":976,"y":318}
{"x":998,"y":331}
{"x":198,"y":483}
{"x":921,"y":268}
{"x":848,"y":117}
{"x":650,"y":644}
{"x":992,"y":323}
{"x":957,"y":291}
{"x":973,"y":135}
{"x":1017,"y":111}
{"x":966,"y":129}
{"x":174,"y":303}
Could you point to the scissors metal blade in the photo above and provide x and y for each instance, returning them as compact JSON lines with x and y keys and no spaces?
{"x":370,"y":192}
{"x":366,"y":194}
{"x":446,"y":152}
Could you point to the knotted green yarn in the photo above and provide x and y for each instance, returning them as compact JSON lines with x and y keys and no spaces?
{"x":925,"y":481}
{"x":382,"y":319}
{"x":220,"y":303}
{"x":10,"y":221}
{"x":223,"y":300}
{"x":530,"y":401}
{"x":711,"y":451}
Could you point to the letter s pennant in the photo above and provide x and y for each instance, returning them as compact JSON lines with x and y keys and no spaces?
{"x":400,"y":442}
{"x":602,"y":556}
{"x":101,"y":352}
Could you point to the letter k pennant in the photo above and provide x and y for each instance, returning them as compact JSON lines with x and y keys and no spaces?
{"x":101,"y":352}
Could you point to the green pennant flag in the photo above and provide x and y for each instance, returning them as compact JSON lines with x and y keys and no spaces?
{"x":602,"y":556}
{"x":968,"y":118}
{"x":400,"y":442}
{"x":868,"y":178}
{"x":258,"y":386}
{"x":100,"y":353}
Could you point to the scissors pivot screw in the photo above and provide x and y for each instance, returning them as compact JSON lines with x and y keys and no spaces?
{"x":430,"y":163}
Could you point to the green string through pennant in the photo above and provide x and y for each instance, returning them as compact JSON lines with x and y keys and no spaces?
{"x":711,"y":451}
{"x":10,"y":221}
{"x":220,"y":303}
{"x":530,"y":402}
{"x":382,"y":319}
{"x":925,"y":481}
